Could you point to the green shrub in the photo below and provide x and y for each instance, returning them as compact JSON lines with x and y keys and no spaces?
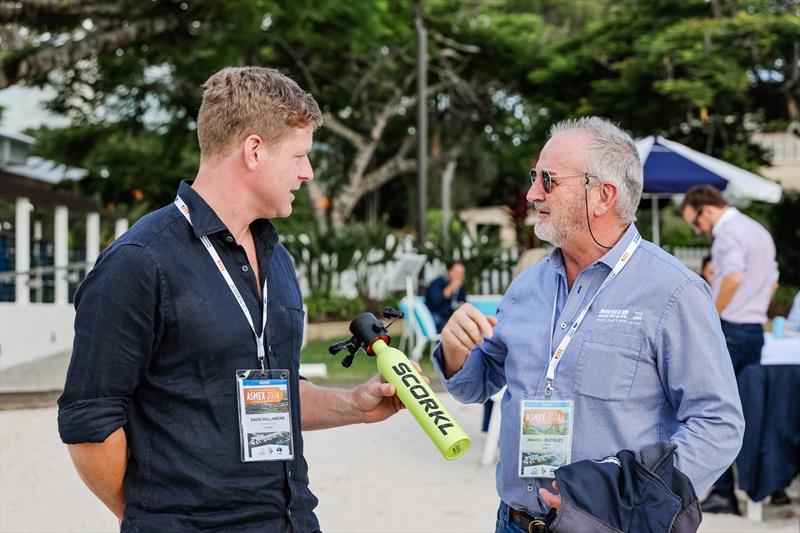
{"x":332,"y":307}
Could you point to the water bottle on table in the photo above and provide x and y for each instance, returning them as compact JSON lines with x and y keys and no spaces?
{"x":778,"y":327}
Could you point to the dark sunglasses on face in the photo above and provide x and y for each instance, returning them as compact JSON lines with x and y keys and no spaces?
{"x":548,"y":181}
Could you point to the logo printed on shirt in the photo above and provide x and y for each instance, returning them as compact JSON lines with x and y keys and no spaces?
{"x":620,"y":316}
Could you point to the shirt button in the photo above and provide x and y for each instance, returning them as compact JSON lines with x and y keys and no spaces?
{"x":245,"y":268}
{"x":229,"y":238}
{"x":290,"y":472}
{"x":530,"y":488}
{"x":563,"y":325}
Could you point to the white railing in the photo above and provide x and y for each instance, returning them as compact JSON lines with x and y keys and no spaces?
{"x":492,"y":281}
{"x":43,"y":280}
{"x":691,"y":257}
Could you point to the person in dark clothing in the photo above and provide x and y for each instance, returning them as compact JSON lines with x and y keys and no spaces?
{"x":445,"y":293}
{"x":189,"y":328}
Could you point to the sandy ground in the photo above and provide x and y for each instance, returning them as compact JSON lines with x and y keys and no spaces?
{"x":370,"y":479}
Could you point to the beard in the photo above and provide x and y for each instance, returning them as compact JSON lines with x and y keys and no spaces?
{"x":559,"y":226}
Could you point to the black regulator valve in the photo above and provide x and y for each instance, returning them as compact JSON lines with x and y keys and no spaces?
{"x":366,"y":329}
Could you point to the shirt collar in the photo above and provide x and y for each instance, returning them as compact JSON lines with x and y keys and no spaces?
{"x":611,"y":257}
{"x":728,"y":214}
{"x":206,"y":222}
{"x":556,"y":259}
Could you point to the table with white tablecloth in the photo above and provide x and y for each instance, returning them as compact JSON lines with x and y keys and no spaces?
{"x":781,"y":351}
{"x":770,"y":455}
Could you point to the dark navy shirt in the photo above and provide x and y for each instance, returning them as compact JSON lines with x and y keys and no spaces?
{"x":158,"y":339}
{"x":442,"y":308}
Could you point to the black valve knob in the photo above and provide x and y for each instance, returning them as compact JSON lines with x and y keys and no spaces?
{"x":388,"y":312}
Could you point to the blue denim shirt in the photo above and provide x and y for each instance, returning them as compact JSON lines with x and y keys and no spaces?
{"x":648,"y":364}
{"x":158,"y":338}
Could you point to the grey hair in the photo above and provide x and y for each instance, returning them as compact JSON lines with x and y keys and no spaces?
{"x":612,"y":157}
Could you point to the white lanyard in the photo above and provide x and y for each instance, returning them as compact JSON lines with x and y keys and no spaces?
{"x":555,"y":359}
{"x":184,"y":209}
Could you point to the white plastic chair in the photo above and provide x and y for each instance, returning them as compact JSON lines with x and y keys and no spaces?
{"x":492,"y":445}
{"x":407,"y":339}
{"x":422,"y":324}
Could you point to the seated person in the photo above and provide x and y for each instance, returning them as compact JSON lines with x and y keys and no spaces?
{"x":445,"y":293}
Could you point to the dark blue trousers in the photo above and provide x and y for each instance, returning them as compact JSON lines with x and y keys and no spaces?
{"x":744,"y":344}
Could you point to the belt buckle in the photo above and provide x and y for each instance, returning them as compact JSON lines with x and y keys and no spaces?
{"x":537,"y":526}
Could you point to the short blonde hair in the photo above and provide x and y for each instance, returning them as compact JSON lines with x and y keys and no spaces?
{"x":241,"y":101}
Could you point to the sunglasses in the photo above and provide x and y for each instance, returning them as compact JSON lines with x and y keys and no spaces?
{"x":548,"y":181}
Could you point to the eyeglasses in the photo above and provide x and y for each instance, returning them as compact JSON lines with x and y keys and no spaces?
{"x":696,"y":222}
{"x":548,"y":181}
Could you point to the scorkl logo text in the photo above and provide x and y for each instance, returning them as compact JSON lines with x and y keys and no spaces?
{"x":423,"y":397}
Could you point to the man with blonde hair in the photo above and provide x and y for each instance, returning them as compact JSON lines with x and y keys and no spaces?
{"x":182,"y":406}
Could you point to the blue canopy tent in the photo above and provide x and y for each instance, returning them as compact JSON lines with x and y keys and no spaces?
{"x":671,"y":168}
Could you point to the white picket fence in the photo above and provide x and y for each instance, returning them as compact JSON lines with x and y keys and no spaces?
{"x":492,"y":281}
{"x":691,"y":257}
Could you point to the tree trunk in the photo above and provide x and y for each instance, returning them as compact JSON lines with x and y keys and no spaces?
{"x":789,"y":87}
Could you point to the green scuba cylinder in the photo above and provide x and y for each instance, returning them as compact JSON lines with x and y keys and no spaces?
{"x":421,"y":401}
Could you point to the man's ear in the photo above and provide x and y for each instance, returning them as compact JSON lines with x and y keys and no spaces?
{"x":252,"y":151}
{"x":607,"y":192}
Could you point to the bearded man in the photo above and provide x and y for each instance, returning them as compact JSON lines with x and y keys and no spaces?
{"x":611,"y":338}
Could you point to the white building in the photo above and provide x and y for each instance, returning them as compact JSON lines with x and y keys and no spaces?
{"x":36,"y":223}
{"x":785,"y":150}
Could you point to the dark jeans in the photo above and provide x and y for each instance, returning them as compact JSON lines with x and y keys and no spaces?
{"x":744,"y":344}
{"x":504,"y":523}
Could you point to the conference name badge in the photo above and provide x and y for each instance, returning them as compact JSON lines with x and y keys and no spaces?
{"x":265,"y":422}
{"x":545,"y":437}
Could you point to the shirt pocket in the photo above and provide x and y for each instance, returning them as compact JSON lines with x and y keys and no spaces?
{"x":607,"y":365}
{"x":285,"y":326}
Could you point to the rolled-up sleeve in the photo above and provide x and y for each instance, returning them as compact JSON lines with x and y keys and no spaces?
{"x":727,"y":253}
{"x":697,"y":375}
{"x":116,"y":326}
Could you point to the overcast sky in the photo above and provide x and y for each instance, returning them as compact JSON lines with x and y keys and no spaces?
{"x":23,"y":109}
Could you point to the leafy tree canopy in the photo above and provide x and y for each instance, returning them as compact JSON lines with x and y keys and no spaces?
{"x":128,"y":74}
